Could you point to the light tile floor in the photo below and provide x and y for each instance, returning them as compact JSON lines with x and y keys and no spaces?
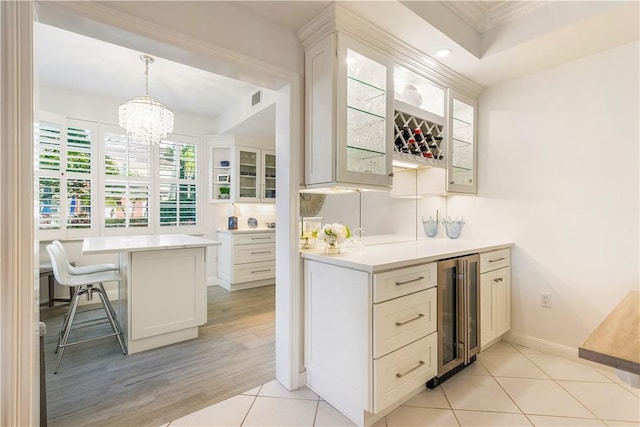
{"x":508,"y":385}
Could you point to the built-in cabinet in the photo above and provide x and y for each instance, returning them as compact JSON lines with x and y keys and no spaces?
{"x":370,"y":338}
{"x":240,"y":173}
{"x":246,"y":259}
{"x":349,"y":121}
{"x":366,"y":100}
{"x":495,"y":295}
{"x":463,"y":148}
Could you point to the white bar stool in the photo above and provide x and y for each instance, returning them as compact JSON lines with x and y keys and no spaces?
{"x":85,"y":284}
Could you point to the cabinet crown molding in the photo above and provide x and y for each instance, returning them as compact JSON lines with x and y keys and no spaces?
{"x":337,"y":17}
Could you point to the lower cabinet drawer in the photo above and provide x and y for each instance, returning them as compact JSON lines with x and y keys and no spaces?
{"x":253,"y":238}
{"x":254,"y":253}
{"x":254,"y":271}
{"x":397,"y":374}
{"x":494,"y":260}
{"x":403,"y":320}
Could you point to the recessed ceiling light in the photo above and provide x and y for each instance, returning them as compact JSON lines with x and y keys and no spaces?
{"x":443,"y":52}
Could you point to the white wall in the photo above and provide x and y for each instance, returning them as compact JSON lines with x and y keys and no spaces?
{"x":558,"y":173}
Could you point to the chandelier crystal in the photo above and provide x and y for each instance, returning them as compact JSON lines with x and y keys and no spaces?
{"x":146,"y":119}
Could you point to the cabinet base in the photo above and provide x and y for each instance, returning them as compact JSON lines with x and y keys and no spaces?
{"x":244,"y":285}
{"x":436,"y":381}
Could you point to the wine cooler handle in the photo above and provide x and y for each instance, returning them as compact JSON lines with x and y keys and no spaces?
{"x":410,"y":370}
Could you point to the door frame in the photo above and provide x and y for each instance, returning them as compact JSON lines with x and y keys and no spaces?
{"x":19,"y":315}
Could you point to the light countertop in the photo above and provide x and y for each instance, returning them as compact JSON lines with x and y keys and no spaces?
{"x":149,"y":242}
{"x":247,"y":230}
{"x":378,"y":258}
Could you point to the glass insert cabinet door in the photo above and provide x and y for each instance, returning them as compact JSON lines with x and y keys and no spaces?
{"x":248,"y":174}
{"x":269,"y":176}
{"x":462,"y":172}
{"x":364,"y":133}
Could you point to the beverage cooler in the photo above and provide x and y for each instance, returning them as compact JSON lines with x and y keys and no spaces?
{"x":458,"y":315}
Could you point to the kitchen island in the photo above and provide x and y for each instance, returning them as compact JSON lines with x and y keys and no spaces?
{"x":162,"y":298}
{"x":372,"y":324}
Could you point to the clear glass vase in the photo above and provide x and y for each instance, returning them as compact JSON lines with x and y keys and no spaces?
{"x":332,"y":247}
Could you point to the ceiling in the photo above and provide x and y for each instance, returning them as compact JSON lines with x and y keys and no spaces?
{"x":492,"y":41}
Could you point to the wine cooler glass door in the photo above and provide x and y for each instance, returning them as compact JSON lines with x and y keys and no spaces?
{"x":450,"y":303}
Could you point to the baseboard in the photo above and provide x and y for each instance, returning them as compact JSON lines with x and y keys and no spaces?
{"x":552,"y":348}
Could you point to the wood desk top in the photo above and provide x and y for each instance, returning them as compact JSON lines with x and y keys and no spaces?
{"x":616,"y":342}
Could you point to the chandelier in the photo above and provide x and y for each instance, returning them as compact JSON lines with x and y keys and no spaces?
{"x":146,"y":119}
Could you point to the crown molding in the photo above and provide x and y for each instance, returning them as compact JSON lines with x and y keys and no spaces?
{"x":483,"y":19}
{"x":338,"y":17}
{"x":510,"y":10}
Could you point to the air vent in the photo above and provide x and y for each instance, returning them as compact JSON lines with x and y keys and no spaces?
{"x":256,"y":98}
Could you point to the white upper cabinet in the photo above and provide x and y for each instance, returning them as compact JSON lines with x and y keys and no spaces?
{"x":349,"y":115}
{"x":239,"y":173}
{"x":463,"y":147}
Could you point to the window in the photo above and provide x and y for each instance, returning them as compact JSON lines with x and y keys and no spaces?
{"x":116,"y":186}
{"x":178,"y":189}
{"x":66,"y":175}
{"x":127,"y":171}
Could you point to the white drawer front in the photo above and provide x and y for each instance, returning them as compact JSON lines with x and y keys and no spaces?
{"x":254,"y":271}
{"x":396,"y":283}
{"x":401,"y":321}
{"x":253,"y":238}
{"x":494,"y":260}
{"x":404,"y":370}
{"x":254,"y":253}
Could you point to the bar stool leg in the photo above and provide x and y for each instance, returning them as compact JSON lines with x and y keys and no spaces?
{"x":114,"y":323}
{"x":67,"y":328}
{"x":52,"y":290}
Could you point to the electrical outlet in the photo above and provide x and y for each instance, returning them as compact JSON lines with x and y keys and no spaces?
{"x":545,"y":300}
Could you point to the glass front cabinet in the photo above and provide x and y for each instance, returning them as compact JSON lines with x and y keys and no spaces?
{"x":463,"y":147}
{"x":349,"y":115}
{"x":241,"y":174}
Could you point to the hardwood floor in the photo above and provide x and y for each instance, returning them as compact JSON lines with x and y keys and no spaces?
{"x":98,"y":386}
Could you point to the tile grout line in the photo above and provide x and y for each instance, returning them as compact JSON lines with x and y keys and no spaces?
{"x":505,"y":391}
{"x":567,"y":391}
{"x":251,"y":406}
{"x":315,"y":415}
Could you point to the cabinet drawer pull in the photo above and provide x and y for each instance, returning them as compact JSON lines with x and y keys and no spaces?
{"x":410,"y":370}
{"x":419,"y":316}
{"x":261,"y":252}
{"x":496,"y":260}
{"x":499,"y":279}
{"x":261,"y":271}
{"x":261,"y":238}
{"x":409,"y":281}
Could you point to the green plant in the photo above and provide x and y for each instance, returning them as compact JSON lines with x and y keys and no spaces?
{"x":224,"y":190}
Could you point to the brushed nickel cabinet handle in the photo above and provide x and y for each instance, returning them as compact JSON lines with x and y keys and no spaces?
{"x":496,"y":260}
{"x":261,"y":271}
{"x":419,"y":316}
{"x":410,"y":370}
{"x":260,"y":238}
{"x":261,"y":252}
{"x":499,"y":279}
{"x":409,"y":281}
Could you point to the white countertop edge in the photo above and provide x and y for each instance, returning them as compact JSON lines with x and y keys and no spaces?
{"x":379,"y":258}
{"x":247,"y":230}
{"x":141,"y":243}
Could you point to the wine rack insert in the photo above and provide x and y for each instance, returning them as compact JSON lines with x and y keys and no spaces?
{"x":418,"y":140}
